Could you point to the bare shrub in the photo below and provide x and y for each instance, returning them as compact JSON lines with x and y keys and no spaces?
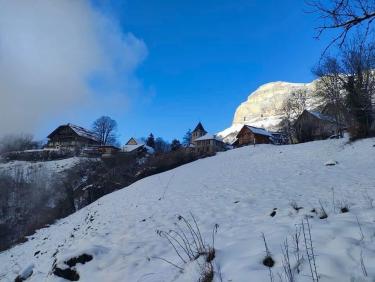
{"x":268,"y":261}
{"x":288,"y":271}
{"x":322,"y":213}
{"x":189,"y":245}
{"x":292,"y":268}
{"x":309,"y":248}
{"x":369,"y":200}
{"x":295,"y":206}
{"x":296,"y":240}
{"x":187,"y":240}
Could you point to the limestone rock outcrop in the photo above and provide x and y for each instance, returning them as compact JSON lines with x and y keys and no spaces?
{"x":263,"y":107}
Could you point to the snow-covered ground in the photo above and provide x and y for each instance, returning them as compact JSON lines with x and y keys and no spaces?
{"x":238,"y":190}
{"x":56,"y":166}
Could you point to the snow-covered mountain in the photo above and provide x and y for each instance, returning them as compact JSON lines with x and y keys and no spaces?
{"x":115,"y":238}
{"x":263,"y":106}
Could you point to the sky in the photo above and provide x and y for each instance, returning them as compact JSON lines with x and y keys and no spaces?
{"x":153,"y":66}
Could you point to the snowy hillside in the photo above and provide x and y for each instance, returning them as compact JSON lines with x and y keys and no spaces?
{"x":238,"y":190}
{"x":56,"y":166}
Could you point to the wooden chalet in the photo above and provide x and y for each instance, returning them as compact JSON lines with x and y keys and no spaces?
{"x":250,"y":135}
{"x":312,"y":125}
{"x":70,"y":136}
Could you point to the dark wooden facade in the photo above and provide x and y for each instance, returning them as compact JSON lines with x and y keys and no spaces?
{"x":311,"y":126}
{"x":70,"y":137}
{"x":250,"y":135}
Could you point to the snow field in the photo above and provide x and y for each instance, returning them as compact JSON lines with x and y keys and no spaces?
{"x":237,"y":190}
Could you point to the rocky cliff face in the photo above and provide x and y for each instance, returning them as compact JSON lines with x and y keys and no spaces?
{"x":263,"y":107}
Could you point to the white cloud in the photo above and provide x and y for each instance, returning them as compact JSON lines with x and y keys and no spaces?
{"x":49,"y":50}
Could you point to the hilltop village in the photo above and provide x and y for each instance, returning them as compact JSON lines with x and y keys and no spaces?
{"x":311,"y":125}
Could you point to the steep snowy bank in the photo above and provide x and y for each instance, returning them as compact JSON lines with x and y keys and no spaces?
{"x":57,"y":166}
{"x":238,"y":190}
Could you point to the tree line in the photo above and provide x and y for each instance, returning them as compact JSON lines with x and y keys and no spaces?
{"x":346,"y":76}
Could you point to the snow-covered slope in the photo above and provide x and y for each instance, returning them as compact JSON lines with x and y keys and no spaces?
{"x":238,"y":190}
{"x":56,"y":166}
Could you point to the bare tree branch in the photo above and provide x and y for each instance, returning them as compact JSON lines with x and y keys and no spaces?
{"x":343,"y":16}
{"x":104,"y":129}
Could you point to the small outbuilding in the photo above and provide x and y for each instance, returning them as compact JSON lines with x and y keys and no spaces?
{"x":312,"y":125}
{"x":250,"y":135}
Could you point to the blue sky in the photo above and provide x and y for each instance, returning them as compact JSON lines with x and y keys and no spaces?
{"x":203,"y":59}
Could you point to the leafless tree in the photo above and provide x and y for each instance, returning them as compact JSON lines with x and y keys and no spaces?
{"x":347,"y":84}
{"x":330,"y":89}
{"x":292,"y":108}
{"x":105,"y":130}
{"x":358,"y":62}
{"x":17,"y":142}
{"x":343,"y":16}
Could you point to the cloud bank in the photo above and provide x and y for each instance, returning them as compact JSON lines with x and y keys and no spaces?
{"x":55,"y":55}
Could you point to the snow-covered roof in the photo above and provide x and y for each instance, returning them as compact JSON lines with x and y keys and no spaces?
{"x":259,"y":131}
{"x":83,"y":132}
{"x":80,"y":131}
{"x":322,"y":116}
{"x":131,"y":148}
{"x":209,"y":137}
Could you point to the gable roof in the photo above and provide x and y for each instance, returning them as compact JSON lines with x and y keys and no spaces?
{"x":83,"y":132}
{"x":257,"y":130}
{"x":80,"y":131}
{"x":321,"y":116}
{"x":140,"y":144}
{"x":199,"y":127}
{"x":208,"y":136}
{"x":136,"y":140}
